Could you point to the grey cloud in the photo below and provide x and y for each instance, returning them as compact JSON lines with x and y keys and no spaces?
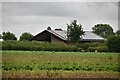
{"x":60,"y":9}
{"x":60,"y":0}
{"x":38,"y":15}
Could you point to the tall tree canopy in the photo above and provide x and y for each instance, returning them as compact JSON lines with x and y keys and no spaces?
{"x":74,"y":31}
{"x":26,"y":36}
{"x":103,"y":30}
{"x":8,"y":36}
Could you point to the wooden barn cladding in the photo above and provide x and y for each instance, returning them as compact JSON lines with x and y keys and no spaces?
{"x":48,"y":36}
{"x":60,"y":36}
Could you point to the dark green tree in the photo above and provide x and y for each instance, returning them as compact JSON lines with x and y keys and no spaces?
{"x":0,"y":36}
{"x":103,"y":30}
{"x":48,"y":28}
{"x":74,"y":31}
{"x":118,"y":32}
{"x":8,"y":36}
{"x":26,"y":36}
{"x":113,"y":43}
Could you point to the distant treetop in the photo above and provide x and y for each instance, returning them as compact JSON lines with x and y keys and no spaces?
{"x":8,"y":36}
{"x":48,"y":28}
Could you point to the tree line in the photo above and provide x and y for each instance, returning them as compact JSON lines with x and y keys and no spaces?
{"x":11,"y":36}
{"x":74,"y":31}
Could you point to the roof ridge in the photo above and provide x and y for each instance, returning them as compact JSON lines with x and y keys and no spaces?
{"x":55,"y":33}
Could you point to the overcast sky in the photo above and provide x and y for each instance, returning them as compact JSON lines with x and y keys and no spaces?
{"x":34,"y":17}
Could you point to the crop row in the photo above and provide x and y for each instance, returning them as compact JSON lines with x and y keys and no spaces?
{"x":113,"y":67}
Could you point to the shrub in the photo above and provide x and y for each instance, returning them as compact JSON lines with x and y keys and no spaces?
{"x":92,"y":49}
{"x":85,"y":46}
{"x":36,"y":46}
{"x":80,"y":49}
{"x":113,"y":43}
{"x":99,"y":49}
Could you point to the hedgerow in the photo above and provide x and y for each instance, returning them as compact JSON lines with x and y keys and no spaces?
{"x":36,"y":46}
{"x":99,"y":49}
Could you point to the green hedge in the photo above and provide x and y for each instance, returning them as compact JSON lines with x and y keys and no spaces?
{"x":36,"y":46}
{"x":113,"y":43}
{"x":99,"y":49}
{"x":86,"y":46}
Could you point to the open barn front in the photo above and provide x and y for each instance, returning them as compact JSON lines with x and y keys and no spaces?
{"x":44,"y":36}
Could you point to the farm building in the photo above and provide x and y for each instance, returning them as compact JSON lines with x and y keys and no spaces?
{"x":61,"y":36}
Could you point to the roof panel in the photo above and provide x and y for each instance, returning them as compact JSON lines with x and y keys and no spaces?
{"x":88,"y":35}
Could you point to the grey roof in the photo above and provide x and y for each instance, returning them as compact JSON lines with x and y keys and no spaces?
{"x":60,"y":34}
{"x":88,"y":35}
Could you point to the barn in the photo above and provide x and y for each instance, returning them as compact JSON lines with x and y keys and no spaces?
{"x":60,"y":36}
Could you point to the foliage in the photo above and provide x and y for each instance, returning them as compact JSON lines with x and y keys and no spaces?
{"x":103,"y":30}
{"x":8,"y":36}
{"x":0,"y":36}
{"x":99,"y":49}
{"x":113,"y":43}
{"x":26,"y":36}
{"x":59,"y":29}
{"x":49,"y":28}
{"x":59,"y":61}
{"x":118,"y":32}
{"x":36,"y":46}
{"x":85,"y":46}
{"x":80,"y":49}
{"x":74,"y":31}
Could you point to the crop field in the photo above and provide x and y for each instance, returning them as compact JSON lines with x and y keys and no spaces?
{"x":46,"y":64}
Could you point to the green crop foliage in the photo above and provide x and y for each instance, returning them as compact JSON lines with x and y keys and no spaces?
{"x":68,"y":61}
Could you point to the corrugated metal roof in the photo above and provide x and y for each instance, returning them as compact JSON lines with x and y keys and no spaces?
{"x":61,"y":34}
{"x":88,"y":35}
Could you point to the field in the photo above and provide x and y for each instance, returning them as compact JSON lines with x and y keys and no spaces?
{"x":46,"y":64}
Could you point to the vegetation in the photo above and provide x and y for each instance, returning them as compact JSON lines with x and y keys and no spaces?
{"x":98,"y":49}
{"x":110,"y":46}
{"x":114,"y":43}
{"x":93,"y":46}
{"x":49,"y":28}
{"x":74,"y":31}
{"x":85,"y":46}
{"x":41,"y":64}
{"x":8,"y":36}
{"x":36,"y":46}
{"x":103,"y":30}
{"x":26,"y":36}
{"x":0,"y":36}
{"x":118,"y":32}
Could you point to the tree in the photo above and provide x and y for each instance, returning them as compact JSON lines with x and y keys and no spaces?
{"x":8,"y":36}
{"x":58,"y":29}
{"x":74,"y":31}
{"x":118,"y":32}
{"x":103,"y":30}
{"x":113,"y":43}
{"x":48,"y":28}
{"x":0,"y":36}
{"x":26,"y":36}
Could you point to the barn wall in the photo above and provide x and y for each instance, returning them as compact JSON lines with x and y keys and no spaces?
{"x":56,"y":40}
{"x":43,"y":37}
